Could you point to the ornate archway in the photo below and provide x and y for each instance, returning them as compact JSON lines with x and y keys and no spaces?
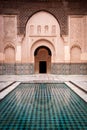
{"x":42,"y":55}
{"x":42,"y":59}
{"x":42,"y":37}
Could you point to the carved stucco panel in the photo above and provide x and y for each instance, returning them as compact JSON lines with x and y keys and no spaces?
{"x":76,"y":30}
{"x":10,"y":27}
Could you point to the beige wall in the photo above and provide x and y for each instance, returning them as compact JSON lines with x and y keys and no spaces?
{"x":43,"y":29}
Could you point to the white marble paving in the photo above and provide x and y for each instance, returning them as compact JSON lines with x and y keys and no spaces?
{"x":8,"y":90}
{"x":81,"y":84}
{"x":4,"y":84}
{"x":82,"y":94}
{"x":80,"y":80}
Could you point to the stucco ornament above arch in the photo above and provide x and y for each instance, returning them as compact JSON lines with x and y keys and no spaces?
{"x":42,"y":22}
{"x":9,"y":44}
{"x":75,"y":45}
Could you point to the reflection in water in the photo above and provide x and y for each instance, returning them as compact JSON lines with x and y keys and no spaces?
{"x":42,"y":96}
{"x":28,"y":91}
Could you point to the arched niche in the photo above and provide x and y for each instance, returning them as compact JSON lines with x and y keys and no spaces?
{"x":42,"y":23}
{"x":9,"y":53}
{"x":75,"y":53}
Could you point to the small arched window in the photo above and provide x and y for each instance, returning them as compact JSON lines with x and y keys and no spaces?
{"x":38,"y":29}
{"x":46,"y":28}
{"x":53,"y":29}
{"x":31,"y":29}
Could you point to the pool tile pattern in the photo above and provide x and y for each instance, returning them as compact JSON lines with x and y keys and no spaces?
{"x":43,"y":106}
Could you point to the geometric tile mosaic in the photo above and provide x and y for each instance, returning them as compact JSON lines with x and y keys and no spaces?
{"x":56,"y":68}
{"x":43,"y":107}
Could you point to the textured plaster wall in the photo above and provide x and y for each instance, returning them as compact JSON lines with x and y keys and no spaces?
{"x":60,"y":26}
{"x":77,"y":38}
{"x":66,"y":48}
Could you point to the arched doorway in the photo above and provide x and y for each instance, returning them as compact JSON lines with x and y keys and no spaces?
{"x":42,"y":59}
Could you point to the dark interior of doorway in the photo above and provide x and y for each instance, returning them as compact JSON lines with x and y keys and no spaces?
{"x":42,"y":67}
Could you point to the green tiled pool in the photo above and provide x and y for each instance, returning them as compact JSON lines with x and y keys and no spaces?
{"x":43,"y":106}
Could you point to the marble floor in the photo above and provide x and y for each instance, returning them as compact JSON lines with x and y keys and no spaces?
{"x":78,"y":83}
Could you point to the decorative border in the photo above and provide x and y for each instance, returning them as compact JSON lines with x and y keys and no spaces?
{"x":69,"y":68}
{"x":16,"y":69}
{"x":56,"y":68}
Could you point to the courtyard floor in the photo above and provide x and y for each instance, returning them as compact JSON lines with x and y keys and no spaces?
{"x":78,"y":83}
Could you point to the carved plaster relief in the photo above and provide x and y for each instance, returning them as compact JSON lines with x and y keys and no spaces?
{"x":85,"y":33}
{"x":43,"y":30}
{"x":53,"y":29}
{"x":46,"y":29}
{"x":76,"y":30}
{"x":39,"y":29}
{"x":31,"y":29}
{"x":9,"y":27}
